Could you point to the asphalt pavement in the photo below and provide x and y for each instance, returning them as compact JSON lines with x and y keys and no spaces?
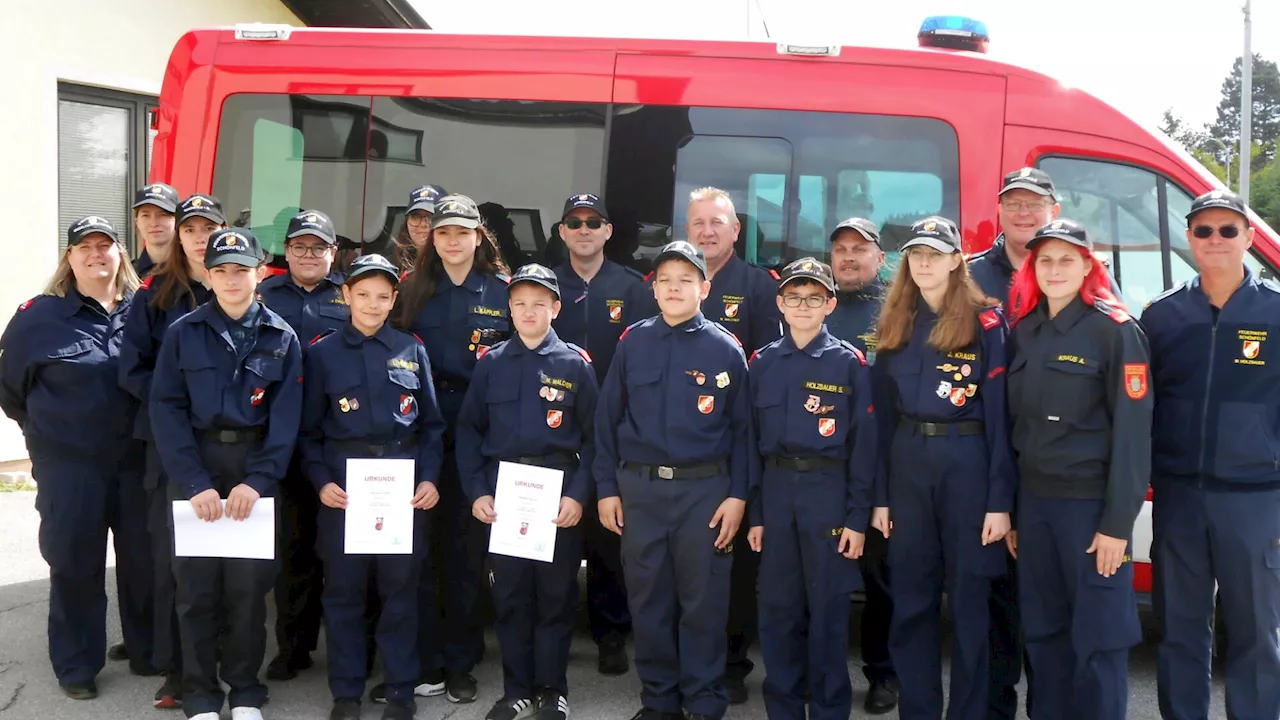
{"x":28,"y":689}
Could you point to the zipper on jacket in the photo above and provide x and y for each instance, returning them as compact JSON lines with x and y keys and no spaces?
{"x":1204,"y":408}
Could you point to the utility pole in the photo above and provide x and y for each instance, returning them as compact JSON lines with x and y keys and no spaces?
{"x":1246,"y":103}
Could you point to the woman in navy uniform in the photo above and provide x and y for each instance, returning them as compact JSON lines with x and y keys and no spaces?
{"x":309,"y":297}
{"x":368,"y":394}
{"x":155,"y":208}
{"x":175,"y":287}
{"x":532,"y":401}
{"x":58,"y":359}
{"x":814,"y":416}
{"x":1081,"y":407}
{"x":456,"y":301}
{"x":415,"y":233}
{"x":947,"y":488}
{"x":226,"y":401}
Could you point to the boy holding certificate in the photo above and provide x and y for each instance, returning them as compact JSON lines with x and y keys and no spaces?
{"x":368,"y":394}
{"x":531,"y":402}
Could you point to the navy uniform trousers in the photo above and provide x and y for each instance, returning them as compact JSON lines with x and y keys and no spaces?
{"x":79,"y":498}
{"x":938,"y":497}
{"x":673,"y":570}
{"x":1233,"y":537}
{"x":222,"y":599}
{"x":1079,"y":625}
{"x":607,"y":612}
{"x":301,"y":580}
{"x":804,"y":595}
{"x":166,"y":654}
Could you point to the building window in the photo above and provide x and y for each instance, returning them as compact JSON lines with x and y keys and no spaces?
{"x":104,"y":154}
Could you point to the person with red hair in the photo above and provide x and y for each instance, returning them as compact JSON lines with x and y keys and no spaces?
{"x":1080,"y":401}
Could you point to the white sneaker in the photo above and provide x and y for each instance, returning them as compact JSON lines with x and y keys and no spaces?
{"x":245,"y":713}
{"x":204,"y":716}
{"x":429,"y":689}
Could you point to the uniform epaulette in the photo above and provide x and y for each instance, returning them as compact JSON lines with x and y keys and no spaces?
{"x":1167,"y":293}
{"x":649,"y":277}
{"x":629,"y":327}
{"x":504,"y":278}
{"x":484,"y":350}
{"x":774,"y":274}
{"x":989,"y":319}
{"x":726,"y":331}
{"x":415,"y":337}
{"x":862,"y":358}
{"x":581,"y":351}
{"x":1121,"y":317}
{"x":1271,"y":285}
{"x":319,"y":337}
{"x":146,"y":283}
{"x":27,"y":304}
{"x":405,"y":274}
{"x":632,"y":271}
{"x":978,"y":255}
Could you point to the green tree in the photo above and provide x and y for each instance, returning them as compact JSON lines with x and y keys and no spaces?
{"x":1265,"y":120}
{"x":1265,"y":191}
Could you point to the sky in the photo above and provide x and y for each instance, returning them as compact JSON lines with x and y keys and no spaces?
{"x":1141,"y":56}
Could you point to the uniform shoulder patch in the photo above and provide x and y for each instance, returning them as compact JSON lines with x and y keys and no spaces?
{"x":146,"y":283}
{"x":989,"y":319}
{"x":581,"y":351}
{"x":27,"y":304}
{"x":1119,"y":316}
{"x":1135,"y":380}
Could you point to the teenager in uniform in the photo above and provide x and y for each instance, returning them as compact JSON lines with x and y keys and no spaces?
{"x":675,"y":461}
{"x":456,"y":301}
{"x":948,"y":487}
{"x":814,"y":416}
{"x":175,"y":287}
{"x":1216,"y":470}
{"x":226,"y":401}
{"x":415,"y":233}
{"x":601,"y":298}
{"x":856,"y":259}
{"x":1081,"y":408}
{"x":368,"y":394}
{"x":310,"y":298}
{"x":58,"y":378}
{"x":532,"y":401}
{"x":155,"y":208}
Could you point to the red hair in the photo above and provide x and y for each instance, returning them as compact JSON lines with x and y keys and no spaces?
{"x":1025,"y":293}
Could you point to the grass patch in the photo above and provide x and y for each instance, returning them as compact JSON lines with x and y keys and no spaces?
{"x":17,"y":487}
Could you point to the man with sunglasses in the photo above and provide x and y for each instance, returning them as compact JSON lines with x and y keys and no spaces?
{"x":1215,"y":473}
{"x":599,"y":301}
{"x":309,"y":298}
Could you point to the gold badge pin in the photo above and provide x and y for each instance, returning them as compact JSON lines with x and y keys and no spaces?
{"x":697,"y":376}
{"x":722,"y":380}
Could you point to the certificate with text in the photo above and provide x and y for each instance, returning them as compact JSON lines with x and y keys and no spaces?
{"x":527,"y":502}
{"x":379,"y":506}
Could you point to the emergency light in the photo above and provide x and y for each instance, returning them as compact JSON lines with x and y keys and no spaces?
{"x":262,"y":31}
{"x":954,"y":32}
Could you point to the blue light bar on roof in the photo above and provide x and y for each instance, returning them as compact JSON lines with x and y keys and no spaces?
{"x":954,"y":32}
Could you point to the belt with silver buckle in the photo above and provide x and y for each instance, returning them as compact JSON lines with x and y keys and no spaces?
{"x":685,"y":472}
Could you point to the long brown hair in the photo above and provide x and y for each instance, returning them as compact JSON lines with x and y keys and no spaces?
{"x":957,"y":325}
{"x":173,"y":276}
{"x":406,"y":253}
{"x":420,"y":285}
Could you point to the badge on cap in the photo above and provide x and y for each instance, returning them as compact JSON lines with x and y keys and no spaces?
{"x":230,"y":241}
{"x":929,"y":226}
{"x":706,"y":403}
{"x":1025,"y":172}
{"x":1055,"y":225}
{"x":197,"y":202}
{"x":554,"y":418}
{"x":826,"y":427}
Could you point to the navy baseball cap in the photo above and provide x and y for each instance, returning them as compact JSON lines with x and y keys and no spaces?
{"x":233,"y":245}
{"x":936,"y":232}
{"x":88,"y":225}
{"x":864,"y":227}
{"x":199,"y":205}
{"x":1224,"y":199}
{"x":587,"y":201}
{"x":538,"y":275}
{"x":373,"y":263}
{"x":1066,"y":230}
{"x":312,"y":222}
{"x":808,"y":268}
{"x":683,"y":250}
{"x":1029,"y":178}
{"x":425,"y":197}
{"x":159,"y":194}
{"x":457,"y":210}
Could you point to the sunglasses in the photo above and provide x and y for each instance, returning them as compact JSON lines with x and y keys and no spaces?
{"x":1205,"y":232}
{"x":594,"y":223}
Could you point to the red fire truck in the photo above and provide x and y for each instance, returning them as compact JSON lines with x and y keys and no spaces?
{"x":271,"y":119}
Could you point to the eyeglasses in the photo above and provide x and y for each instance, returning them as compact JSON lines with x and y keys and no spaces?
{"x":1204,"y":232}
{"x":813,"y":301}
{"x":594,"y":223}
{"x":301,"y":251}
{"x":418,"y":217}
{"x":1024,"y":205}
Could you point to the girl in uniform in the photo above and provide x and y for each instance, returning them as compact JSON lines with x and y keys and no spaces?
{"x":947,"y":488}
{"x":416,"y":230}
{"x":226,"y":401}
{"x":1081,"y":406}
{"x":456,"y":301}
{"x":532,"y":401}
{"x":58,"y":359}
{"x":369,"y":394}
{"x":175,"y":288}
{"x":154,"y":208}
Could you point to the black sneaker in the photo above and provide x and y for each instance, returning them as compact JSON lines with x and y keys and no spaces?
{"x":398,"y":711}
{"x":651,"y":714}
{"x":736,"y":688}
{"x":80,"y":691}
{"x":881,"y":698}
{"x":511,"y":709}
{"x":613,"y":657}
{"x":345,"y":710}
{"x":460,"y":688}
{"x":118,"y":652}
{"x":285,"y":666}
{"x":552,"y":706}
{"x":169,"y":696}
{"x":431,"y":685}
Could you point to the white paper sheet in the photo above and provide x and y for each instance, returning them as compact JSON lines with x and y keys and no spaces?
{"x":253,"y":538}
{"x":527,"y":502}
{"x":379,"y":506}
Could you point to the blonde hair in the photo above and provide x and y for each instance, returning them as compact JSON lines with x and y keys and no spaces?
{"x":64,"y":278}
{"x":714,"y":194}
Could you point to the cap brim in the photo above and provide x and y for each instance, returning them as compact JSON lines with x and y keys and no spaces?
{"x":361,"y":272}
{"x":428,"y":205}
{"x":165,"y":206}
{"x":663,"y":257}
{"x":460,"y":222}
{"x":1038,"y":240}
{"x":936,"y":243}
{"x":329,"y":239}
{"x":232,"y":258}
{"x":1026,"y":185}
{"x":79,"y":238}
{"x":584,"y":207}
{"x":1228,"y":208}
{"x":868,"y":237}
{"x":534,"y":281}
{"x":213,"y":215}
{"x":828,"y":284}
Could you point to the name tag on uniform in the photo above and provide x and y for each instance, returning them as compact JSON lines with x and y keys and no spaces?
{"x":555,"y":382}
{"x":827,"y":387}
{"x":397,"y":363}
{"x":488,"y":311}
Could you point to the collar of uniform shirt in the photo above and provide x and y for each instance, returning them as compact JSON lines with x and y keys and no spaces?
{"x":332,"y":278}
{"x":517,"y":344}
{"x":75,"y":300}
{"x":813,"y":349}
{"x":1198,"y":287}
{"x":1065,"y":318}
{"x":354,"y":337}
{"x":1000,"y":255}
{"x":689,"y":325}
{"x":474,"y":281}
{"x":873,"y":290}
